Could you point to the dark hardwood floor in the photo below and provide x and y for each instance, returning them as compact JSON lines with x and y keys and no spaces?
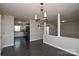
{"x":36,"y":48}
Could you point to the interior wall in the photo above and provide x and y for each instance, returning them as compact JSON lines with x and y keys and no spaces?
{"x":70,"y":29}
{"x":36,"y":33}
{"x":70,"y":45}
{"x":0,"y":34}
{"x":7,"y":27}
{"x":52,"y":29}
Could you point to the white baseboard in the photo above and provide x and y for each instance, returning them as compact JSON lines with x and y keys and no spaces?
{"x":34,"y":40}
{"x":13,"y":44}
{"x":62,"y":48}
{"x":7,"y":45}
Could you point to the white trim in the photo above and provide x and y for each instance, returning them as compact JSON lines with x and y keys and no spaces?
{"x":13,"y":44}
{"x":58,"y":24}
{"x":62,"y":48}
{"x":7,"y":45}
{"x":44,"y":27}
{"x":34,"y":40}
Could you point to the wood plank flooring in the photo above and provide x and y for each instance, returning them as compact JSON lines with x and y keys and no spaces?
{"x":36,"y":48}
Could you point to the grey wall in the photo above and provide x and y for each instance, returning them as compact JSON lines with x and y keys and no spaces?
{"x":7,"y":31}
{"x":35,"y":32}
{"x":70,"y":29}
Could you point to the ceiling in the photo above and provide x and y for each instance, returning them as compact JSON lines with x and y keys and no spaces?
{"x":28,"y":10}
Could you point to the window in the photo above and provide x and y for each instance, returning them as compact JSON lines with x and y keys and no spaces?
{"x":17,"y":28}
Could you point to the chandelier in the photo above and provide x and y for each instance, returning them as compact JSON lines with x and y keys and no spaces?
{"x":43,"y":16}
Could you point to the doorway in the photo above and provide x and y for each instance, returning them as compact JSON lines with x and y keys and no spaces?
{"x":21,"y":33}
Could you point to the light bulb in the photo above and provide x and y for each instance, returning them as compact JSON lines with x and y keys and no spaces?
{"x":45,"y":14}
{"x":35,"y":16}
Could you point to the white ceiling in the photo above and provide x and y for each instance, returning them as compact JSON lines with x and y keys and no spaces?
{"x":28,"y":10}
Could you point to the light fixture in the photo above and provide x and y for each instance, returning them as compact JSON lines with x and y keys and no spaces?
{"x":63,"y":21}
{"x":20,"y":22}
{"x":43,"y":16}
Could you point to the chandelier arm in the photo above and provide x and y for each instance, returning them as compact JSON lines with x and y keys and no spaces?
{"x":43,"y":15}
